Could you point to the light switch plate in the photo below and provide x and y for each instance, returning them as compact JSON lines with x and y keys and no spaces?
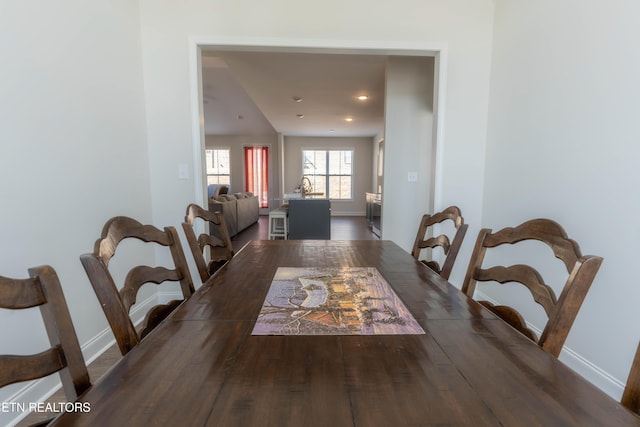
{"x":412,"y":176}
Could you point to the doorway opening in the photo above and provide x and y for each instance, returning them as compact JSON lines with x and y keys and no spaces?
{"x":278,"y":168}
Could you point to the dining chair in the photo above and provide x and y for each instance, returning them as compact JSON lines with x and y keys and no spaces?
{"x":116,"y":303}
{"x":220,"y":249}
{"x":631,"y":395}
{"x":561,"y":312}
{"x":42,"y":289}
{"x":450,"y":247}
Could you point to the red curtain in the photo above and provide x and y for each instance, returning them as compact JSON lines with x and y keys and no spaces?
{"x":256,"y":173}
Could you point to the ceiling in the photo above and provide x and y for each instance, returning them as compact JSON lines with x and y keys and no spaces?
{"x":252,"y":93}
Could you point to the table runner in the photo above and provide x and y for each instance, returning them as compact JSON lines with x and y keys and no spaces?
{"x":333,"y":301}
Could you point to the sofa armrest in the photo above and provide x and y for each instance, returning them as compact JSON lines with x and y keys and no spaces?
{"x":227,"y":206}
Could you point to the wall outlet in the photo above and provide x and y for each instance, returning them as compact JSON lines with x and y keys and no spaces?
{"x":412,"y":176}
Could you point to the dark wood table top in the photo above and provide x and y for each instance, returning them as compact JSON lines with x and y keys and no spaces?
{"x":202,"y":366}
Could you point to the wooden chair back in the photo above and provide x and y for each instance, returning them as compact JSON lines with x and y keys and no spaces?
{"x":43,"y":290}
{"x":450,"y":247}
{"x":631,"y":395}
{"x":561,"y":312}
{"x":117,"y":303}
{"x":220,"y":249}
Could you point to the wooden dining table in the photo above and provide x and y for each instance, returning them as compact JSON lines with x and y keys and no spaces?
{"x":203,"y":366}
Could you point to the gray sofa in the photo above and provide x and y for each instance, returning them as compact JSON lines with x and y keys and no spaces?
{"x":240,"y":210}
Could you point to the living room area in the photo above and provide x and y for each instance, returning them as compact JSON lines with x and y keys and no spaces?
{"x":275,"y":122}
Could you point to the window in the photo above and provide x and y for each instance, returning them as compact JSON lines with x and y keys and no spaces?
{"x":330,"y":172}
{"x":218,"y":166}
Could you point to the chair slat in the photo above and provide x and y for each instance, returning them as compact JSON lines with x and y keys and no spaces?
{"x":543,"y":230}
{"x":528,"y":276}
{"x":142,"y":274}
{"x":15,"y":368}
{"x":121,"y":227}
{"x":20,"y":293}
{"x":441,"y":240}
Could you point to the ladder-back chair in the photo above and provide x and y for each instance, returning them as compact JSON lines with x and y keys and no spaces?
{"x":562,"y":311}
{"x":117,"y":303}
{"x":43,"y":290}
{"x":450,"y":247}
{"x":220,"y":249}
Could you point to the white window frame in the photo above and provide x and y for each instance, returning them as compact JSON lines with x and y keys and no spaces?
{"x":327,"y":175}
{"x":218,"y":175}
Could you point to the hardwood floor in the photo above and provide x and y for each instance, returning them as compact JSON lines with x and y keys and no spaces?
{"x":351,"y":228}
{"x":342,"y":228}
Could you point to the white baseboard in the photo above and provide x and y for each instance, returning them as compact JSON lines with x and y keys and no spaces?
{"x":598,"y":377}
{"x":583,"y":367}
{"x":40,"y":390}
{"x":166,"y":296}
{"x":347,"y":213}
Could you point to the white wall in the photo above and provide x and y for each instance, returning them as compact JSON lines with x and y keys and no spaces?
{"x":409,"y":147}
{"x":362,"y":154}
{"x":563,"y":143}
{"x":73,"y":149}
{"x":462,"y":28}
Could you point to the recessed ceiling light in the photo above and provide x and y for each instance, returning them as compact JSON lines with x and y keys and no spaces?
{"x":240,"y":117}
{"x":348,"y":119}
{"x":363,"y":97}
{"x":299,"y":116}
{"x":297,"y":99}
